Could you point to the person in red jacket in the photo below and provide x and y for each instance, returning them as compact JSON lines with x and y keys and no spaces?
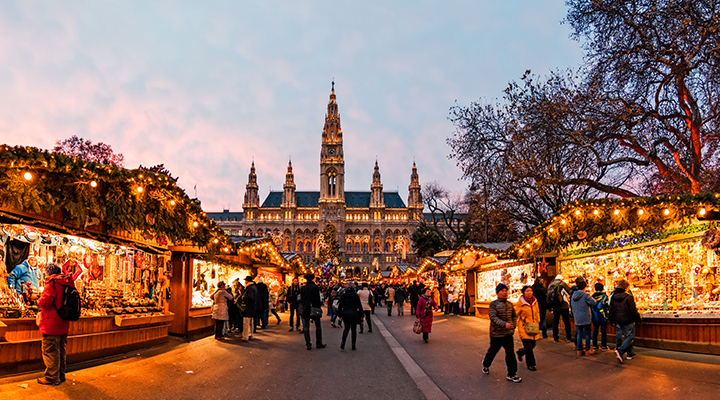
{"x":52,"y":327}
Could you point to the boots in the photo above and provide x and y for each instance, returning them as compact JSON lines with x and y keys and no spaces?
{"x":342,"y":345}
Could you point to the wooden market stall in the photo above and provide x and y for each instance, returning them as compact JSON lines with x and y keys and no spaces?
{"x":664,"y":246}
{"x":108,"y":228}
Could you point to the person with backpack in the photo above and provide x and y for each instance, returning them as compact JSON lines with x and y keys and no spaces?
{"x":54,"y":329}
{"x":599,"y":317}
{"x":558,"y":296}
{"x":623,"y":314}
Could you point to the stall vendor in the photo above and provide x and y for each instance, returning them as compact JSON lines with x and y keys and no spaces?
{"x":24,"y":273}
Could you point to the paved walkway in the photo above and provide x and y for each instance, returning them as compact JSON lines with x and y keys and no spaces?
{"x":390,"y":363}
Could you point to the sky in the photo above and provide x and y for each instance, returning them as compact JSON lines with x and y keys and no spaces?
{"x":206,"y":87}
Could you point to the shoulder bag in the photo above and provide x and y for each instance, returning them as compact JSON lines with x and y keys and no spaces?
{"x":532,"y":328}
{"x":417,"y":326}
{"x":315,"y":312}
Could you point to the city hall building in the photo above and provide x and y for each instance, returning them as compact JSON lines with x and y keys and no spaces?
{"x":373,"y":227}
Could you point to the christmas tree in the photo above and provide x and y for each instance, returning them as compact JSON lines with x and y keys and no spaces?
{"x":328,"y":247}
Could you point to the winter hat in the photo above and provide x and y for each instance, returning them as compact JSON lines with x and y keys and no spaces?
{"x":351,"y":285}
{"x":558,"y":277}
{"x":500,"y":287}
{"x":52,"y":269}
{"x":248,"y":278}
{"x":599,"y":287}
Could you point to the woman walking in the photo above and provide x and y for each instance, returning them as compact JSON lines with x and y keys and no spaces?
{"x":220,"y":309}
{"x":350,"y":309}
{"x":528,"y":323}
{"x":424,"y":312}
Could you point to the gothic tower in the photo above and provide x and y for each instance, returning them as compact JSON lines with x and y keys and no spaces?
{"x":377,"y":202}
{"x":332,"y":168}
{"x":415,"y":204}
{"x":289,"y":203}
{"x":252,"y":201}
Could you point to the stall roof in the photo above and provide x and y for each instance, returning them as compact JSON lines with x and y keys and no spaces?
{"x":404,"y":267}
{"x":385,"y":274}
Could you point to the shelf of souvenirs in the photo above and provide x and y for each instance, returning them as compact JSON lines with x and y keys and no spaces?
{"x":676,"y":279}
{"x":514,"y":277}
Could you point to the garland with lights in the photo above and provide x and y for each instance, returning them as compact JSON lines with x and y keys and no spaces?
{"x":585,"y":221}
{"x":129,"y":199}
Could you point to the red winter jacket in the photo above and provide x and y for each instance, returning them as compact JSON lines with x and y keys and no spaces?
{"x":50,"y":322}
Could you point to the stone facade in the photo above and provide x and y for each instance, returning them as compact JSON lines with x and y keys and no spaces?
{"x":374,"y":226}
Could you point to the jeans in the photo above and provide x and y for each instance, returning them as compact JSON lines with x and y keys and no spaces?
{"x":264,"y":318}
{"x":557,"y":314}
{"x":580,"y":331}
{"x":389,"y":307}
{"x":283,"y":306}
{"x":349,"y":327}
{"x":367,"y":319}
{"x":602,"y":327}
{"x":400,"y":308}
{"x":505,"y":342}
{"x":294,"y":314}
{"x":318,"y":331}
{"x":53,"y":354}
{"x":625,"y":346}
{"x":527,"y":351}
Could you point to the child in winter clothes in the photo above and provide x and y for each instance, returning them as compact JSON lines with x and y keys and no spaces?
{"x":599,"y":317}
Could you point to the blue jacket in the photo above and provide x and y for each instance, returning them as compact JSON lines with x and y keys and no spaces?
{"x":21,"y":274}
{"x":581,"y":303}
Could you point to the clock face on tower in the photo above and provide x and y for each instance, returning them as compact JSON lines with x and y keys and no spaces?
{"x":331,"y":151}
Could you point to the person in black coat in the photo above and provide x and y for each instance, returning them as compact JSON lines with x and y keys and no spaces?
{"x":350,"y":310}
{"x":540,"y":294}
{"x":248,"y":307}
{"x":414,"y":296}
{"x":264,"y":302}
{"x":310,"y":297}
{"x":292,"y":299}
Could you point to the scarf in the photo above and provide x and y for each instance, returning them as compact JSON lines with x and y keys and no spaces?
{"x":530,"y":303}
{"x":428,"y":305}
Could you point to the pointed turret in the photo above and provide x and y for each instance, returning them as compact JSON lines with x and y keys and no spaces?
{"x":252,"y":201}
{"x":332,"y":163}
{"x":289,"y":200}
{"x":415,"y":204}
{"x":377,"y":200}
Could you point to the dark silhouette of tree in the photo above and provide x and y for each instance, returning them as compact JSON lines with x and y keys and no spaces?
{"x":100,"y":153}
{"x":426,"y":241}
{"x":448,"y":214}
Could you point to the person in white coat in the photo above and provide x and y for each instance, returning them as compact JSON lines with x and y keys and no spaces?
{"x":220,"y":311}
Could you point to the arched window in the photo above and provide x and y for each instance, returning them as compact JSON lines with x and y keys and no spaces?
{"x":365,"y":247}
{"x":387,"y":247}
{"x":308,"y":247}
{"x":348,"y":247}
{"x":357,"y":247}
{"x":376,"y":247}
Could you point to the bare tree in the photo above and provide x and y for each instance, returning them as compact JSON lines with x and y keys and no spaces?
{"x":87,"y":150}
{"x":448,"y":213}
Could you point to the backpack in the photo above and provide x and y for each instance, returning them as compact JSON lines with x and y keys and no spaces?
{"x":599,"y":310}
{"x":553,"y":295}
{"x":71,"y":305}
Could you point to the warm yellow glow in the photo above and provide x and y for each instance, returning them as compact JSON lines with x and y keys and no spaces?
{"x":551,"y":229}
{"x":596,"y":212}
{"x":195,"y":224}
{"x":172,"y":202}
{"x":702,"y":211}
{"x":577,"y":212}
{"x":216,"y":241}
{"x":535,"y":240}
{"x":617,"y":212}
{"x":139,"y":189}
{"x":28,"y":176}
{"x":666,"y":212}
{"x":641,"y":212}
{"x":93,"y":183}
{"x":562,"y":222}
{"x":527,"y":245}
{"x":140,"y":176}
{"x":521,"y":250}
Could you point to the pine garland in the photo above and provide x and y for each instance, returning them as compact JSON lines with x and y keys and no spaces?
{"x":129,"y":199}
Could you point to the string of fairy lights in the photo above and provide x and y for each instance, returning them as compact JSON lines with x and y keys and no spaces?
{"x":131,"y":199}
{"x":584,"y":221}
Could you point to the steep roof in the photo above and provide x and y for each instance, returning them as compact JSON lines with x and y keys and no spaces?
{"x":352,"y":199}
{"x":225,"y":216}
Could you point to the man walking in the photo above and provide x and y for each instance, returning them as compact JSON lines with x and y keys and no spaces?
{"x":264,"y":293}
{"x":53,"y":328}
{"x":502,"y":325}
{"x":365,"y":299}
{"x":558,"y":296}
{"x":292,"y":299}
{"x":400,"y":300}
{"x":623,"y":314}
{"x":248,"y":308}
{"x":310,"y":298}
{"x":414,"y":296}
{"x":389,"y":298}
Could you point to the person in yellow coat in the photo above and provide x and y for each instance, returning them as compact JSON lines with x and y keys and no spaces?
{"x":528,"y":323}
